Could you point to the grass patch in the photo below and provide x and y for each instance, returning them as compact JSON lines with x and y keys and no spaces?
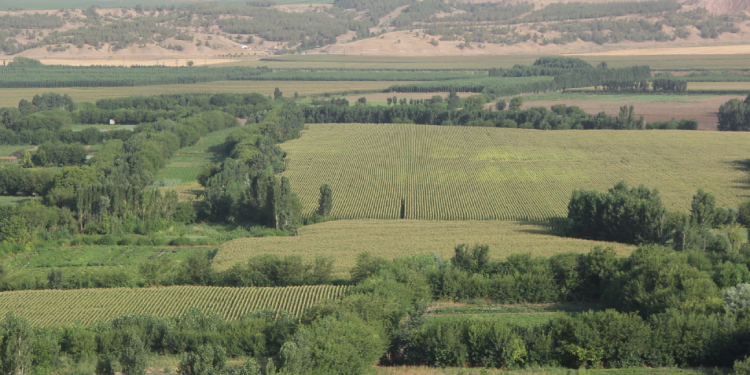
{"x":4,"y":199}
{"x":7,"y":150}
{"x":97,"y":255}
{"x":343,"y":240}
{"x":520,"y":319}
{"x":189,"y":161}
{"x":100,"y":127}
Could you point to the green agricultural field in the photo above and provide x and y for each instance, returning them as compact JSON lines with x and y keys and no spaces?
{"x":743,"y":87}
{"x":56,"y":307}
{"x":343,"y":240}
{"x":11,"y":97}
{"x":481,"y":62}
{"x":100,"y":127}
{"x":697,"y":87}
{"x":189,"y":161}
{"x":97,"y":255}
{"x":518,"y":319}
{"x":7,"y":150}
{"x":16,"y":199}
{"x":464,"y":173}
{"x":576,"y":96}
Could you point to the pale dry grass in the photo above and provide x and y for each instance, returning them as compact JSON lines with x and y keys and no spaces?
{"x":344,"y":240}
{"x":729,"y":86}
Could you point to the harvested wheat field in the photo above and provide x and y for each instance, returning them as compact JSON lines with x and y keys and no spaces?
{"x":342,"y":240}
{"x":703,"y":108}
{"x":429,"y":172}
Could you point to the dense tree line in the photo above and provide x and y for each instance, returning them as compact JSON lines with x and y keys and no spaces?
{"x":439,"y":113}
{"x":734,"y":115}
{"x":14,"y":76}
{"x":47,"y":118}
{"x":598,"y":31}
{"x":478,"y":12}
{"x":577,"y":11}
{"x":31,"y":21}
{"x":111,"y":76}
{"x":637,"y":215}
{"x":494,"y":86}
{"x":668,"y":85}
{"x":572,"y":72}
{"x":106,"y":194}
{"x":244,"y":188}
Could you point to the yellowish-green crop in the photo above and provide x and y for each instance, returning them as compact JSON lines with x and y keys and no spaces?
{"x":476,"y":173}
{"x":54,"y":307}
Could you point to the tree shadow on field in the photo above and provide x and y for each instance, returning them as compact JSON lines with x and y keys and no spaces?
{"x":742,"y":183}
{"x":554,"y":226}
{"x":219,"y":153}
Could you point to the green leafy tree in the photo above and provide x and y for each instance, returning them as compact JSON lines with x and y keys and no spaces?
{"x":737,"y":299}
{"x":515,"y":104}
{"x":474,"y":103}
{"x":17,"y":346}
{"x":196,"y":270}
{"x":104,"y":366}
{"x":742,"y":367}
{"x":56,"y":278}
{"x":500,"y":105}
{"x":250,"y":367}
{"x":341,"y":344}
{"x":206,"y":360}
{"x":26,"y":160}
{"x":133,"y":355}
{"x":454,"y":102}
{"x":657,"y":278}
{"x":14,"y":230}
{"x":277,"y":94}
{"x":472,"y":260}
{"x":325,"y":202}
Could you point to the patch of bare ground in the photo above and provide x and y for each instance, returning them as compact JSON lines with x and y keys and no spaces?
{"x":703,"y":109}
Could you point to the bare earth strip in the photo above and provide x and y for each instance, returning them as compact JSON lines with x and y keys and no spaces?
{"x":343,"y":240}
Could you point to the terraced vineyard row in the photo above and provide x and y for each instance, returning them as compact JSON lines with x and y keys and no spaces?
{"x":53,"y":307}
{"x":461,"y":173}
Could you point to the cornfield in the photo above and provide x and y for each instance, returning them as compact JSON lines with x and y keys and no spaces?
{"x":343,"y":240}
{"x":426,"y":172}
{"x":54,"y":307}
